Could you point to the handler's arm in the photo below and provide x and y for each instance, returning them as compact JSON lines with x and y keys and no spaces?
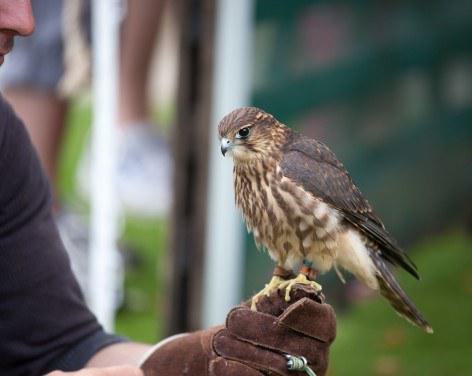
{"x":113,"y":360}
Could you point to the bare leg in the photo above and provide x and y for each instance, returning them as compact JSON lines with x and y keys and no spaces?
{"x":144,"y":160}
{"x":43,"y":114}
{"x":138,"y":40}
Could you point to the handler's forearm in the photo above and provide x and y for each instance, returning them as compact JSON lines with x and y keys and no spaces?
{"x":127,"y":353}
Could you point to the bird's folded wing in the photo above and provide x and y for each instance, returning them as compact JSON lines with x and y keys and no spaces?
{"x":314,"y":167}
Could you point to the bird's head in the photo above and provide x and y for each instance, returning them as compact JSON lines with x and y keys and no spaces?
{"x":249,"y":133}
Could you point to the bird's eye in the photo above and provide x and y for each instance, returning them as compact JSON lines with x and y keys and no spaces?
{"x":243,"y":133}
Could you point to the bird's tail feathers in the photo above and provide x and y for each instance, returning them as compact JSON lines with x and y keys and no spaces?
{"x":391,"y":290}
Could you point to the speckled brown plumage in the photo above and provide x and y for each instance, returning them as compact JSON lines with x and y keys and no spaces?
{"x":301,"y":204}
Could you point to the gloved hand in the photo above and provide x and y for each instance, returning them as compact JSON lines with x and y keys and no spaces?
{"x":253,"y":343}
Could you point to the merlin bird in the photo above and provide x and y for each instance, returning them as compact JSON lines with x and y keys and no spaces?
{"x":302,"y":206}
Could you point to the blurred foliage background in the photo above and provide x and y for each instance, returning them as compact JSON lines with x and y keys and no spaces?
{"x":388,"y":85}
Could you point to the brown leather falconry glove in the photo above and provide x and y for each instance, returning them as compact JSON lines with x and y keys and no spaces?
{"x":253,"y":343}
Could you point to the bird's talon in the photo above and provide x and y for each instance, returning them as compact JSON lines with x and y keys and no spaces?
{"x":287,"y":295}
{"x":266,"y":291}
{"x":299,"y":279}
{"x":278,"y":283}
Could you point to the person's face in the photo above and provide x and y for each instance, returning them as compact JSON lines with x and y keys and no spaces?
{"x":16,"y":18}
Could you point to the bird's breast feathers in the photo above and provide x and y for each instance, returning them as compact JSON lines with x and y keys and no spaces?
{"x":292,"y":224}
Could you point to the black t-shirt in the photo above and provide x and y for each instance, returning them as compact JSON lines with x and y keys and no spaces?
{"x":44,"y":322}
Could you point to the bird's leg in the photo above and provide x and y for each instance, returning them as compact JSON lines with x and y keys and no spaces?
{"x":305,"y":277}
{"x":279,"y":276}
{"x":307,"y":270}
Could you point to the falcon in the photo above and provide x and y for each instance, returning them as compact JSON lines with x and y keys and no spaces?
{"x":302,"y":206}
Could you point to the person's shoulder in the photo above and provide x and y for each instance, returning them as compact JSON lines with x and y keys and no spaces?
{"x":5,"y":115}
{"x":13,"y":134}
{"x":6,"y":111}
{"x":8,"y":118}
{"x":4,"y":106}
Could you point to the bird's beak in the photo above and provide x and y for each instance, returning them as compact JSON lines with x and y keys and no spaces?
{"x":225,"y":145}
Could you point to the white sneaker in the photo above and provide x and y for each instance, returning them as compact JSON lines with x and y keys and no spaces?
{"x":144,"y":172}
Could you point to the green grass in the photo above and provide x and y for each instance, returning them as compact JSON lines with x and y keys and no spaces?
{"x":75,"y":139}
{"x":372,"y":340}
{"x":142,"y":314}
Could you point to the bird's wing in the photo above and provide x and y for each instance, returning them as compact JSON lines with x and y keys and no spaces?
{"x":315,"y":168}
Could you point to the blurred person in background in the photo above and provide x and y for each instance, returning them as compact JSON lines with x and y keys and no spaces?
{"x":48,"y":68}
{"x":45,"y":324}
{"x":45,"y":70}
